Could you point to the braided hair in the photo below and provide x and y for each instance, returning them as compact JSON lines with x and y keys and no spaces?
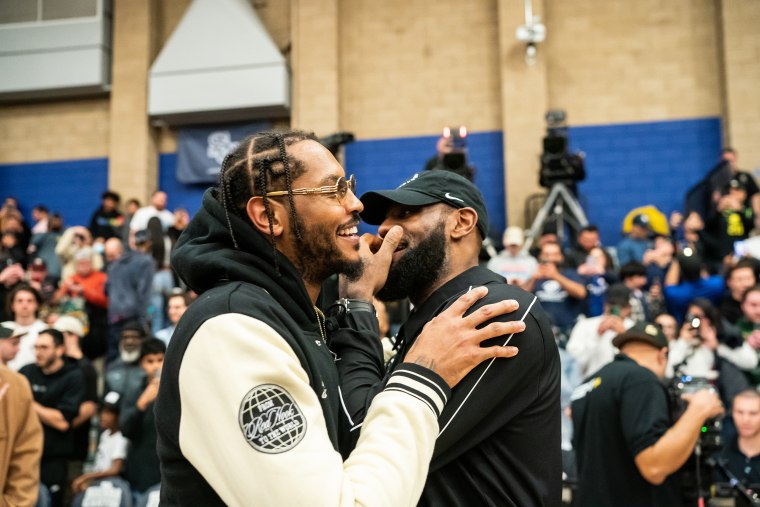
{"x":260,"y":164}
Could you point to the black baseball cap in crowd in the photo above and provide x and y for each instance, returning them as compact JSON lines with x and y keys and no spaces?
{"x":425,"y":188}
{"x":642,"y":332}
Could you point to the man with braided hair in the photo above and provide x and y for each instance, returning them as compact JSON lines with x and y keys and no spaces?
{"x":249,"y":411}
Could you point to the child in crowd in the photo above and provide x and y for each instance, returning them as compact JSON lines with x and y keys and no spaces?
{"x":112,"y":446}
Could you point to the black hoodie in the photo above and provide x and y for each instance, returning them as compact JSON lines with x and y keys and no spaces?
{"x":249,"y":400}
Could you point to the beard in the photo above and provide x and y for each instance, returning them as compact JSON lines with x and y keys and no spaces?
{"x":129,"y":356}
{"x":417,"y":269}
{"x":319,"y":255}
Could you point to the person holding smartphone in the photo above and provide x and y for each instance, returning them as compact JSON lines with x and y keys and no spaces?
{"x":590,"y":341}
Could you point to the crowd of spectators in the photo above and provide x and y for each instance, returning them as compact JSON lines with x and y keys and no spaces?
{"x":90,"y":310}
{"x":696,"y":279}
{"x":83,"y":304}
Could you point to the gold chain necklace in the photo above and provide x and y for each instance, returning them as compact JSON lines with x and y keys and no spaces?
{"x":321,"y":322}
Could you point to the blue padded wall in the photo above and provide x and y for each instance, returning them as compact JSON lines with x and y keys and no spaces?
{"x":385,"y":163}
{"x":71,"y":188}
{"x":627,"y":165}
{"x":178,"y":194}
{"x":635,"y":164}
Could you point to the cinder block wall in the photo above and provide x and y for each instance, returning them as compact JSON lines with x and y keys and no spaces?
{"x":400,"y":69}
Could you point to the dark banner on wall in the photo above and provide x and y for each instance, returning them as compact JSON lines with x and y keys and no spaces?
{"x":201,"y":150}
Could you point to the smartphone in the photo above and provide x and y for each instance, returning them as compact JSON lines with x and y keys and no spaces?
{"x":740,"y":248}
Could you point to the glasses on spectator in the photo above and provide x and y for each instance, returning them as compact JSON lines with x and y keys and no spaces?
{"x":340,"y":189}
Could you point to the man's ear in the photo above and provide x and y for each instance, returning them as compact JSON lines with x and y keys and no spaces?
{"x":257,"y":212}
{"x":466,"y":219}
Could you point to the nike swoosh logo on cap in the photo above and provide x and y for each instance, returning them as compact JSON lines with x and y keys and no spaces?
{"x":449,"y":196}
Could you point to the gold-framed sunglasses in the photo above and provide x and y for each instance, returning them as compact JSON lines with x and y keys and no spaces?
{"x":340,"y":189}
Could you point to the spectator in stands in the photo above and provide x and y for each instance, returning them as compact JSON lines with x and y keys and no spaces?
{"x":741,"y":452}
{"x":73,"y":331}
{"x":37,"y":276}
{"x":40,"y":217}
{"x":10,"y":276}
{"x":668,"y":325}
{"x":176,"y":305}
{"x":181,"y":219}
{"x":162,"y":282}
{"x":732,"y":222}
{"x":58,"y":389}
{"x":729,"y":171}
{"x":548,"y":235}
{"x":87,"y":286}
{"x":632,"y":247}
{"x":156,"y":208}
{"x":739,"y":278}
{"x":749,"y":324}
{"x":106,"y":221}
{"x":587,"y":240}
{"x":706,"y":349}
{"x":24,"y":307}
{"x":560,"y":290}
{"x":687,"y":280}
{"x":9,"y":345}
{"x":626,"y":444}
{"x":634,"y":276}
{"x":73,"y":240}
{"x":511,"y":263}
{"x":137,"y":421}
{"x":43,"y":246}
{"x":131,"y":207}
{"x":590,"y":341}
{"x":12,"y":251}
{"x":14,"y":224}
{"x":21,"y":442}
{"x":125,"y":373}
{"x":111,"y":453}
{"x":658,"y":259}
{"x":130,"y":275}
{"x":597,"y":276}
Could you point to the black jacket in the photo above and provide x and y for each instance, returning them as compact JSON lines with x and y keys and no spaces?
{"x":248,"y":411}
{"x":500,"y":433}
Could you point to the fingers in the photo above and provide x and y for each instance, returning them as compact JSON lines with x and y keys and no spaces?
{"x":465,"y":301}
{"x":498,"y":351}
{"x":495,"y":329}
{"x":491,"y":311}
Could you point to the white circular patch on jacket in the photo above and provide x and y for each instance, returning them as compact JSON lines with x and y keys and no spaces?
{"x":271,"y":420}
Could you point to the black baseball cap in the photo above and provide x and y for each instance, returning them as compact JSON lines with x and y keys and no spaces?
{"x":425,"y":188}
{"x":642,"y":332}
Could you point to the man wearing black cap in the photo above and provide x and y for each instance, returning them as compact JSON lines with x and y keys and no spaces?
{"x":499,"y":442}
{"x":632,"y":247}
{"x":625,"y":444}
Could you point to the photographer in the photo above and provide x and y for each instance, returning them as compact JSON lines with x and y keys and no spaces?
{"x":625,"y":443}
{"x":705,"y":349}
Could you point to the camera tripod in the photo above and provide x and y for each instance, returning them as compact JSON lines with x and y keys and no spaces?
{"x":560,"y":207}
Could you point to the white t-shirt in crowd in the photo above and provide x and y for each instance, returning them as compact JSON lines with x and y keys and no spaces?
{"x":112,"y":446}
{"x":143,"y":215}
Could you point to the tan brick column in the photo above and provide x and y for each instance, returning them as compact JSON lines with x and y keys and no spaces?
{"x":133,"y":156}
{"x":741,"y":47}
{"x":314,"y":66}
{"x":524,"y":104}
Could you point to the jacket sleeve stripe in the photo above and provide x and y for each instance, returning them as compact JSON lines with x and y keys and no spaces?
{"x":420,"y":386}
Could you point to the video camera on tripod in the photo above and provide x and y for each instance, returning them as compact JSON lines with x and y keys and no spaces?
{"x":559,"y":172}
{"x":558,"y":165}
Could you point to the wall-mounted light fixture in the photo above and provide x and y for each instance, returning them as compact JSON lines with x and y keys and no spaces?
{"x":532,"y":32}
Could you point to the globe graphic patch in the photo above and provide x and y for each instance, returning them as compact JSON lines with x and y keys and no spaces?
{"x":271,"y":420}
